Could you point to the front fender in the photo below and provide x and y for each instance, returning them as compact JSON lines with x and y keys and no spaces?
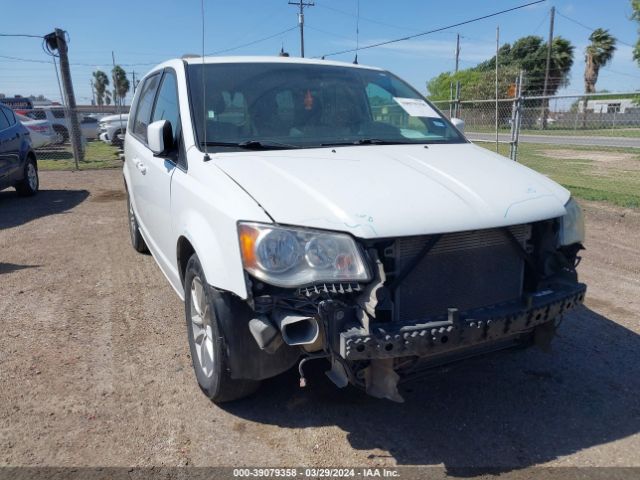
{"x":221,"y":262}
{"x":206,"y":206}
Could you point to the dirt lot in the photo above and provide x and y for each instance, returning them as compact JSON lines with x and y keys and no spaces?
{"x":94,"y":365}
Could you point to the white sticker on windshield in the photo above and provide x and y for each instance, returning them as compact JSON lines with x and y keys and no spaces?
{"x":416,"y":107}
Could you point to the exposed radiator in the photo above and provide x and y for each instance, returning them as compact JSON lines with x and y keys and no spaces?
{"x":463,"y":270}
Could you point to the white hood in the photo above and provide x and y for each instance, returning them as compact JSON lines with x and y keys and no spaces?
{"x":114,"y":118}
{"x":396,"y":190}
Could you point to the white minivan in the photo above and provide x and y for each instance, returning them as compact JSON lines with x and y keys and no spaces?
{"x":317,"y":210}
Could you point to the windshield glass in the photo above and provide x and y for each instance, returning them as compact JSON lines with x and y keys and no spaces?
{"x":288,"y":105}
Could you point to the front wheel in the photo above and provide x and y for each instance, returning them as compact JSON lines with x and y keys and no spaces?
{"x":209,"y":354}
{"x":30,"y":182}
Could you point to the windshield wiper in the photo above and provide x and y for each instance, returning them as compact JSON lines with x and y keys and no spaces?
{"x":252,"y":145}
{"x":369,"y":141}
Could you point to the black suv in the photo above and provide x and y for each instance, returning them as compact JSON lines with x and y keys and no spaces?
{"x":18,"y":166}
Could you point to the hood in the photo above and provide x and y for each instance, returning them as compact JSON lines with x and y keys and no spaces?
{"x":113,"y":118}
{"x":395,"y":190}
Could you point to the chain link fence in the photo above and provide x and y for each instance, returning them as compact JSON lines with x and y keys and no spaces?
{"x":101,"y":130}
{"x":588,"y":143}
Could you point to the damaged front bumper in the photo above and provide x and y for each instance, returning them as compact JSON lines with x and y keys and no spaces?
{"x":457,"y":330}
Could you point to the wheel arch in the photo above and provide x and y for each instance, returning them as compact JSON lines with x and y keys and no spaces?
{"x":220,"y":261}
{"x":184,"y":251}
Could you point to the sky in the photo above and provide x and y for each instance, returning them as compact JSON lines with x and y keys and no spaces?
{"x":143,"y":33}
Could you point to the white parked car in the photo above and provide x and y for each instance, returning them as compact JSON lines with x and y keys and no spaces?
{"x":58,"y":119}
{"x":112,"y":128}
{"x":309,"y":209}
{"x":41,"y":132}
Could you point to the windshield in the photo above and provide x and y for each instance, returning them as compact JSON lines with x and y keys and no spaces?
{"x":288,"y":105}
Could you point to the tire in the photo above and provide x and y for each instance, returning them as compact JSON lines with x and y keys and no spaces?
{"x":209,"y":352}
{"x":30,"y":182}
{"x":62,"y":131}
{"x":115,"y":141}
{"x":137,"y":242}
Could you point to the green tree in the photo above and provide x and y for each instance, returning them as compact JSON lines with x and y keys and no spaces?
{"x":528,"y":54}
{"x":635,"y":15}
{"x":120,"y":84}
{"x":597,"y":54}
{"x":475,"y":84}
{"x":100,"y":83}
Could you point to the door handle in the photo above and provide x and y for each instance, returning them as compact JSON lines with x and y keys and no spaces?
{"x":141,"y":166}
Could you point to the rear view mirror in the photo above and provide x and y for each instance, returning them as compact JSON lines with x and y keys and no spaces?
{"x":458,"y":123}
{"x":160,"y":137}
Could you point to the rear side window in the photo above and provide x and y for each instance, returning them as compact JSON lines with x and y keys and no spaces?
{"x":167,"y":104}
{"x":144,"y":106}
{"x":37,"y":114}
{"x":4,"y":123}
{"x":10,"y":116}
{"x":58,"y":113}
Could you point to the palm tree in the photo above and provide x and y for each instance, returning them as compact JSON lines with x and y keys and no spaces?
{"x":120,"y":84}
{"x":100,"y":83}
{"x":559,"y":68}
{"x":597,"y":54}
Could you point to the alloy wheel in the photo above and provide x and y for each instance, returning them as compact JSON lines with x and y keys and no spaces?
{"x":201,"y":327}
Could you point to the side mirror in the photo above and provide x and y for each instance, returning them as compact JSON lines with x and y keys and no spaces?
{"x":160,"y":137}
{"x":458,"y":123}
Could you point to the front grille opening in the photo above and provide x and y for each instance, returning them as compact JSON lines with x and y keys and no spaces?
{"x":464,"y":270}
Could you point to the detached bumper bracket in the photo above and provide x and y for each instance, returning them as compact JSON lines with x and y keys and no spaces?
{"x":460,"y":329}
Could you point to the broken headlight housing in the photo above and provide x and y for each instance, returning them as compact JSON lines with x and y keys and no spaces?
{"x":571,"y":225}
{"x":295,"y":257}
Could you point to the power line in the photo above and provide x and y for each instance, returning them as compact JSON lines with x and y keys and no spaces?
{"x":19,"y":59}
{"x":409,"y":37}
{"x":20,"y":35}
{"x":541,"y":23}
{"x":253,"y":42}
{"x":370,"y":20}
{"x":608,"y":70}
{"x":327,"y":32}
{"x":589,"y":28}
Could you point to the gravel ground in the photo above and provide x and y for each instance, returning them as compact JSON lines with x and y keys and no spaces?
{"x":95,"y":367}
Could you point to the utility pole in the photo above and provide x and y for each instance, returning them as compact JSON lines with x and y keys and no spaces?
{"x":113,"y":79}
{"x":457,"y":51}
{"x":456,"y":108}
{"x":57,"y":41}
{"x":497,"y":51}
{"x":133,"y":81}
{"x":545,"y":102}
{"x":301,"y":4}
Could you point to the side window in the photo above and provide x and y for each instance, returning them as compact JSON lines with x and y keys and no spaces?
{"x":167,"y":104}
{"x":58,"y":113}
{"x":384,"y":108}
{"x":144,"y":106}
{"x":4,"y":123}
{"x":10,"y":116}
{"x":37,"y":114}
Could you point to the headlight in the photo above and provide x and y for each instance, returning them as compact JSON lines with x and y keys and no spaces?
{"x":572,"y":224}
{"x":293,"y":257}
